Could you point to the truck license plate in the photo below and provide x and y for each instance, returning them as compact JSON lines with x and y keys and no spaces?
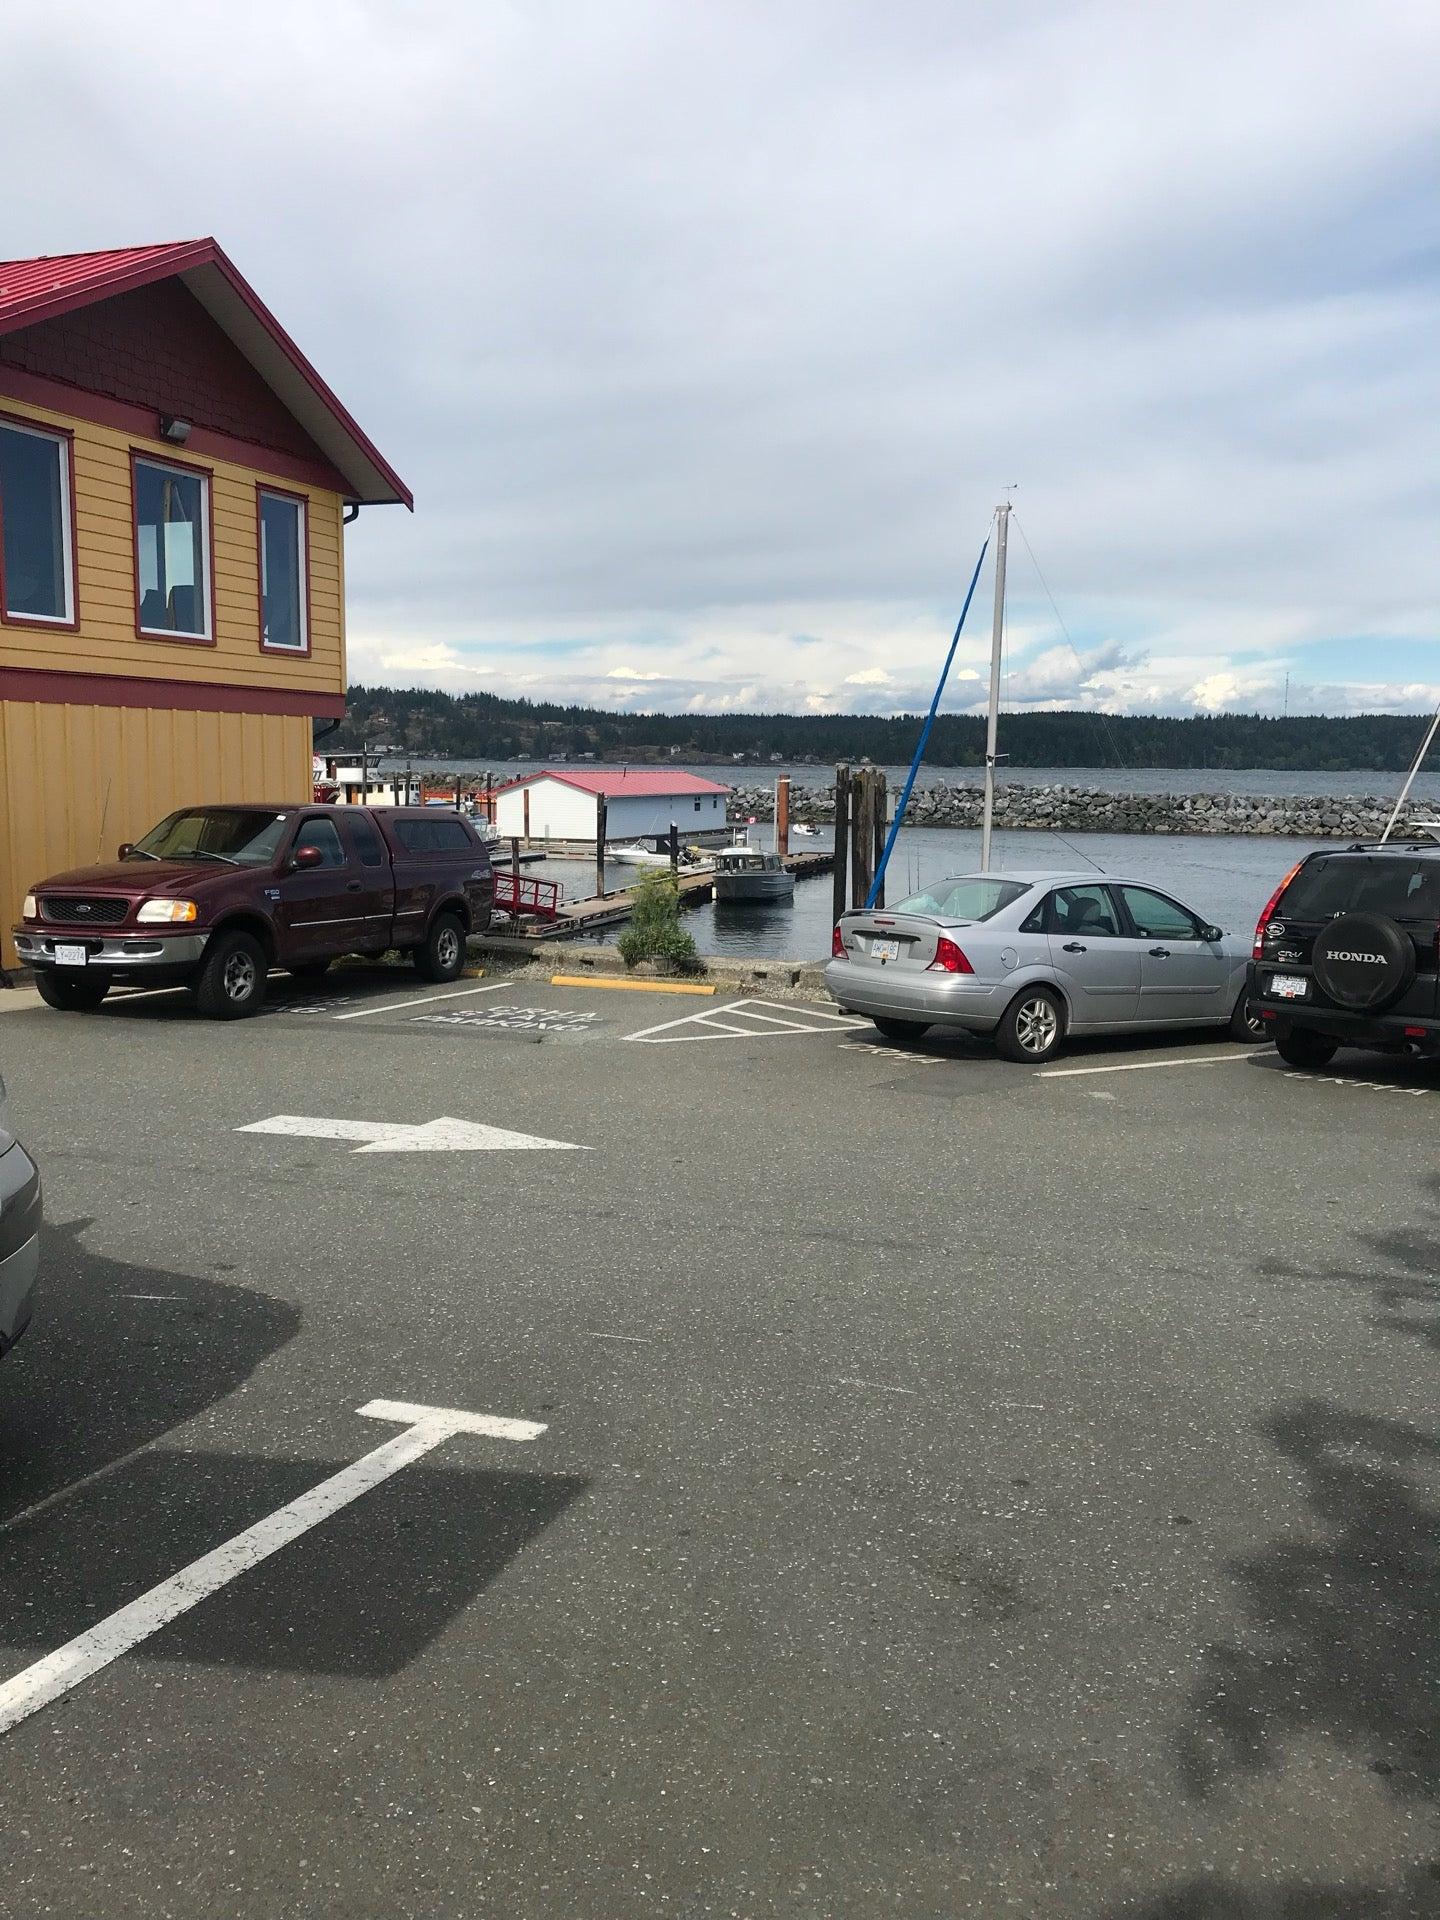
{"x":1288,"y":986}
{"x":71,"y":956}
{"x":885,"y":949}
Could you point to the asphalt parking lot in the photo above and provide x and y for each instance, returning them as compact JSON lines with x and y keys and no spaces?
{"x":959,"y":1489}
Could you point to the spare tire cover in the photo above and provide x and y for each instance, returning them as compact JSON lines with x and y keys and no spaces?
{"x":1363,"y":961}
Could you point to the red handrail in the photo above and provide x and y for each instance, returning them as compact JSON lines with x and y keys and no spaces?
{"x":521,"y":893}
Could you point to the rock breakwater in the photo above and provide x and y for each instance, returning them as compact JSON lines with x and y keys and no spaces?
{"x":1089,"y":810}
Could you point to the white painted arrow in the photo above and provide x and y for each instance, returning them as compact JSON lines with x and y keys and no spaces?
{"x":431,"y":1136}
{"x":425,"y":1428}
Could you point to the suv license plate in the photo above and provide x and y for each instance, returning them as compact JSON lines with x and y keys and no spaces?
{"x":885,"y":949}
{"x":1289,"y":986}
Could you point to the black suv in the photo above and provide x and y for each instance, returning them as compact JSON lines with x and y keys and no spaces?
{"x":1346,"y":953}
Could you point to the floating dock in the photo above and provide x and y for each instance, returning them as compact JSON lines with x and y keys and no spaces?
{"x":578,"y":917}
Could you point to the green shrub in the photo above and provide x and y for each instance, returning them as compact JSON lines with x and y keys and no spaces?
{"x":655,"y":932}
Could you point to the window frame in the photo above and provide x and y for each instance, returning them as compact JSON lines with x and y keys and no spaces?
{"x":1196,"y":935}
{"x":45,"y":623}
{"x":1123,"y":928}
{"x":302,"y":501}
{"x":142,"y":456}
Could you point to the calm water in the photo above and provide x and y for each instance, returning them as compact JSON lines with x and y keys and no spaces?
{"x":1226,"y":880}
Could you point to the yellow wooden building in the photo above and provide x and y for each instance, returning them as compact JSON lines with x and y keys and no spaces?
{"x":174,"y":478}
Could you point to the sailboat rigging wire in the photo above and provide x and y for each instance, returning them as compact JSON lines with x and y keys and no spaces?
{"x":878,"y":882}
{"x":1105,"y":728}
{"x":1410,"y":778}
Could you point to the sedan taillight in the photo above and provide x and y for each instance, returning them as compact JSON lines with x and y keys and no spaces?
{"x":949,"y":958}
{"x":837,"y":944}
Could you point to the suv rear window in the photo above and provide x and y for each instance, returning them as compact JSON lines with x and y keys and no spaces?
{"x":1398,"y":885}
{"x":434,"y":836}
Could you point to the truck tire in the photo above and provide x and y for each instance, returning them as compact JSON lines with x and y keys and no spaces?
{"x":79,"y":995}
{"x":231,"y":981}
{"x":441,"y":954}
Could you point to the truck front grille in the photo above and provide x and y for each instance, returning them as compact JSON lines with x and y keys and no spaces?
{"x":82,"y":910}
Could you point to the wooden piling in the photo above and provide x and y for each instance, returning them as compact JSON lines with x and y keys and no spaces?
{"x":674,"y":848}
{"x":840,"y":896}
{"x":782,"y":815}
{"x":882,"y":797}
{"x":600,"y":846}
{"x":862,"y":837}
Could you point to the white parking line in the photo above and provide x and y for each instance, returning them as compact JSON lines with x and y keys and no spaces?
{"x":400,"y":1006}
{"x":425,"y":1429}
{"x":1139,"y":1066}
{"x":775,"y":1020}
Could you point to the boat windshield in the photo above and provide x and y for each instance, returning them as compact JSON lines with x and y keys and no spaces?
{"x":976,"y":896}
{"x":245,"y":836}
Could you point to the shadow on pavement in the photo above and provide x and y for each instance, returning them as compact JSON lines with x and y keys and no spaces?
{"x":116,"y":1356}
{"x":1344,"y":1640}
{"x":363,"y":1593}
{"x":1215,"y":1898}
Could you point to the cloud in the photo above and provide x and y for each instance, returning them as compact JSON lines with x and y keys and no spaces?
{"x":702,"y":373}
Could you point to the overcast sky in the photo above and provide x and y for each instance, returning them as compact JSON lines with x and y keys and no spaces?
{"x":708,"y":333}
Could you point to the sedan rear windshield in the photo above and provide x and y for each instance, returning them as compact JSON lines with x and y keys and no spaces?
{"x":1398,"y":885}
{"x":245,"y":836}
{"x":976,"y":897}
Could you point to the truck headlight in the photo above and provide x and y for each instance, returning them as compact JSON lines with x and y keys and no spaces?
{"x":170,"y":912}
{"x":28,"y":908}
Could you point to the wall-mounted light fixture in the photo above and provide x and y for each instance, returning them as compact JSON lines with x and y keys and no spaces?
{"x":176,"y":431}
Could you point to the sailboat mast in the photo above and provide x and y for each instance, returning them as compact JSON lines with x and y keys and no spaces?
{"x":1002,"y":529}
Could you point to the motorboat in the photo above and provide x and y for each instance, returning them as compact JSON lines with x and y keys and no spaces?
{"x":745,"y":873}
{"x":636,"y":856}
{"x":805,"y":830}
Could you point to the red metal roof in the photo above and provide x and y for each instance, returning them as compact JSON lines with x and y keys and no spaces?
{"x":615,"y":783}
{"x":35,"y":290}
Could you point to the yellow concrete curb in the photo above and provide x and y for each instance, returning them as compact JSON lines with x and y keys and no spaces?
{"x":473,"y":973}
{"x":625,"y":986}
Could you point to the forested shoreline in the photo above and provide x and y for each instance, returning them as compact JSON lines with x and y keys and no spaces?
{"x":484,"y":727}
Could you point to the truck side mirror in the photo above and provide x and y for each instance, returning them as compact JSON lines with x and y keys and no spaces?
{"x":124,"y":850}
{"x":306,"y":857}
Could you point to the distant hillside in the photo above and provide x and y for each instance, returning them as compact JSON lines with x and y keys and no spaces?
{"x":484,"y":728}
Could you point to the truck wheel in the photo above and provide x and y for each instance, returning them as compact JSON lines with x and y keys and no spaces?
{"x":441,"y":955}
{"x":1301,"y":1048}
{"x":80,"y":995}
{"x":232,"y":977}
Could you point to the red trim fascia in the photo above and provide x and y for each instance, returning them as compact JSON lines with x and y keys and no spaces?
{"x":302,"y":366}
{"x":53,"y":687}
{"x":19,"y":619}
{"x":210,"y":639}
{"x":39,"y":390}
{"x":299,"y":500}
{"x":175,"y":261}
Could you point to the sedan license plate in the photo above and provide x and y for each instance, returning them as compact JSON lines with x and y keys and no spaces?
{"x":1289,"y":986}
{"x":885,"y":949}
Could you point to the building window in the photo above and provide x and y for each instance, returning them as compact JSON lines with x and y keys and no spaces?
{"x":172,"y":551}
{"x":37,"y":554}
{"x":284,"y":614}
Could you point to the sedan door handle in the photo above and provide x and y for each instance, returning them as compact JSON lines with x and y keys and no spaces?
{"x":1074,"y":946}
{"x":1159,"y":953}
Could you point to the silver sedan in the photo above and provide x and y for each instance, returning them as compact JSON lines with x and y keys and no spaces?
{"x":1032,"y":957}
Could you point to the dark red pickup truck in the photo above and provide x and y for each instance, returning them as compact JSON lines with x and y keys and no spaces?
{"x":214,"y":897}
